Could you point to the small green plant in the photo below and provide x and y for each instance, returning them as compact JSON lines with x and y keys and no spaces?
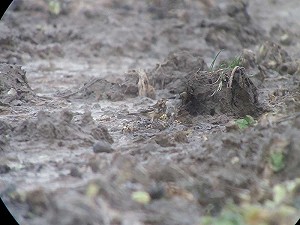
{"x":54,"y":7}
{"x":245,"y":122}
{"x":227,"y":217}
{"x":231,"y":64}
{"x":281,"y":205}
{"x":284,"y":191}
{"x":214,"y":60}
{"x":277,"y":161}
{"x":141,"y":197}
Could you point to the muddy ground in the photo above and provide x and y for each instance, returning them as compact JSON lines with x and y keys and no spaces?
{"x":77,"y":148}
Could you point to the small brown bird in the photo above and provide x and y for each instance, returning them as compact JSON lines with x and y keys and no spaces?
{"x":154,"y":112}
{"x":184,"y":97}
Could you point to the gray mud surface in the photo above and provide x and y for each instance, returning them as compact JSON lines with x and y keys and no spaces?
{"x":110,"y":112}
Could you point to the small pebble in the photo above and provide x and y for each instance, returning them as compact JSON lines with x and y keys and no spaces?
{"x":157,"y":192}
{"x":4,"y":169}
{"x":74,"y":172}
{"x":102,"y":146}
{"x":12,"y":92}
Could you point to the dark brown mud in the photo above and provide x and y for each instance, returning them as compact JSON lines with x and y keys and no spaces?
{"x":115,"y":112}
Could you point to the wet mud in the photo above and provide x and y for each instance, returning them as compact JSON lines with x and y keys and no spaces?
{"x":150,"y":112}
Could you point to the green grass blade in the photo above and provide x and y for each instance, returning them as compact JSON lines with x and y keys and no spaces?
{"x":213,"y":62}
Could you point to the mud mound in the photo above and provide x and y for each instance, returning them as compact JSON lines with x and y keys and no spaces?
{"x":272,"y":56}
{"x":97,"y":89}
{"x":60,"y":128}
{"x":7,"y":42}
{"x":224,"y":91}
{"x":59,"y":165}
{"x":228,"y":90}
{"x":14,"y":87}
{"x":250,"y":152}
{"x":232,"y":23}
{"x":169,"y":74}
{"x":135,"y":83}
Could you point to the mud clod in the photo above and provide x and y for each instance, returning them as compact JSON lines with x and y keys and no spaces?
{"x":4,"y":168}
{"x":60,"y":128}
{"x":169,"y":74}
{"x":38,"y":201}
{"x":102,"y":146}
{"x":14,"y":85}
{"x":224,"y":91}
{"x":123,"y":103}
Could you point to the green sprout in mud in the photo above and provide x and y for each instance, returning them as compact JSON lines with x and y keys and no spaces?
{"x":245,"y":122}
{"x":231,"y":64}
{"x":214,"y":60}
{"x":54,"y":7}
{"x":277,"y":161}
{"x":281,"y":205}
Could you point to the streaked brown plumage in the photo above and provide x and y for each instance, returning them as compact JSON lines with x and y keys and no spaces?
{"x":154,"y":112}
